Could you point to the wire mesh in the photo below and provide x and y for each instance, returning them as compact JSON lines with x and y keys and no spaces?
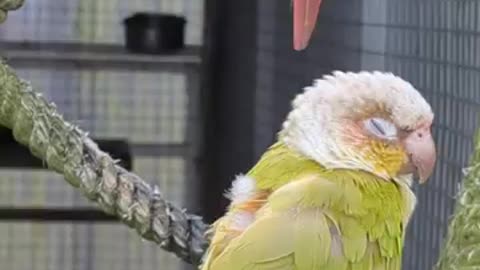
{"x":435,"y":50}
{"x":432,"y":44}
{"x":65,"y":246}
{"x":147,"y":108}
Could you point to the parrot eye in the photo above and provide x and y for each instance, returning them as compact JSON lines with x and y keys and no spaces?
{"x":381,"y":128}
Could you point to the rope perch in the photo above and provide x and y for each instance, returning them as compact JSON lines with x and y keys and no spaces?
{"x":461,"y":248}
{"x":69,"y":151}
{"x":8,"y":5}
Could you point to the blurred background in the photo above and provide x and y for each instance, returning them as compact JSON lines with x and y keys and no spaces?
{"x":190,"y":119}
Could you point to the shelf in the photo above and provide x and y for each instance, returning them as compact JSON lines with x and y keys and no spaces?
{"x":15,"y":155}
{"x":75,"y":214}
{"x":160,"y":149}
{"x":98,"y":56}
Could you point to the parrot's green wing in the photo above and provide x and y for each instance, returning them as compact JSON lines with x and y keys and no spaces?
{"x":260,"y":247}
{"x":277,"y":241}
{"x":305,"y":226}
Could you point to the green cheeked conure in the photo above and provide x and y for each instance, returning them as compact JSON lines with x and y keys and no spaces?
{"x":333,"y":192}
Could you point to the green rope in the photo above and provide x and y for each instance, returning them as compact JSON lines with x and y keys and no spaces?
{"x":462,"y":244}
{"x":7,"y":5}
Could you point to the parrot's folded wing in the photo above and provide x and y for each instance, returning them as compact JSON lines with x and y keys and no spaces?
{"x":283,"y":241}
{"x":260,"y":247}
{"x":301,"y":228}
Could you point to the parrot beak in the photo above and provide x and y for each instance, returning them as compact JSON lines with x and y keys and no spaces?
{"x":305,"y":13}
{"x":421,"y":148}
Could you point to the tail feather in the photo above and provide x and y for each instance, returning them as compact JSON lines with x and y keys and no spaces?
{"x":305,"y":13}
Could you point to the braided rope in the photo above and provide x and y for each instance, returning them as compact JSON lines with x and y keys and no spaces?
{"x":69,"y":151}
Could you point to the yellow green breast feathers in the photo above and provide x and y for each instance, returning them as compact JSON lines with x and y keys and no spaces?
{"x":351,"y":192}
{"x":365,"y":214}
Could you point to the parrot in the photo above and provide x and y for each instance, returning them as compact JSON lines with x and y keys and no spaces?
{"x":305,"y":13}
{"x":333,"y":191}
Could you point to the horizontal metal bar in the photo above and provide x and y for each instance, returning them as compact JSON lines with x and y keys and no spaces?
{"x":94,"y":56}
{"x":15,"y":155}
{"x":55,"y":215}
{"x":155,"y":150}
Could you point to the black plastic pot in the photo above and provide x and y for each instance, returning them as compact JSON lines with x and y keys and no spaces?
{"x":154,"y":33}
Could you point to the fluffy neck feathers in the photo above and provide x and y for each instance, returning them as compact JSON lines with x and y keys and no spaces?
{"x":281,"y":164}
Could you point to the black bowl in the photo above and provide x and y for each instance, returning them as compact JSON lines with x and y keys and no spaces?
{"x":154,"y":33}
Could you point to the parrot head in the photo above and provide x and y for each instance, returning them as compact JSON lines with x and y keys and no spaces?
{"x":370,"y":121}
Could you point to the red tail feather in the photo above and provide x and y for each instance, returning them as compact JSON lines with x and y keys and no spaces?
{"x":305,"y":13}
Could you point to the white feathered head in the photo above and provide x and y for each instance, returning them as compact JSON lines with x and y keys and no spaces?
{"x":370,"y":121}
